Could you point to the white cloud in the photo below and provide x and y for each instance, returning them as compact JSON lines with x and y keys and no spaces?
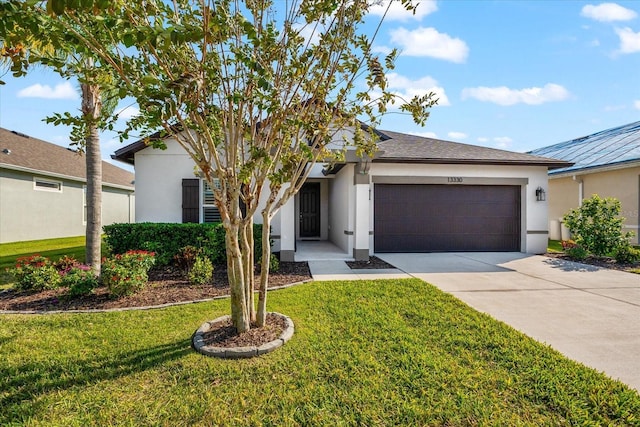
{"x":457,"y":135}
{"x":407,"y":88}
{"x":505,"y":96}
{"x":429,"y":42}
{"x":425,"y":134}
{"x":502,"y":141}
{"x":629,"y":41}
{"x":397,"y":12}
{"x":61,"y":91}
{"x":385,"y":50}
{"x":636,"y":104}
{"x":127,"y":112}
{"x":483,"y":139}
{"x":608,"y":12}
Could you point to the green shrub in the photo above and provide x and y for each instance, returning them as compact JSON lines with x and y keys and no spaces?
{"x":596,"y":225}
{"x":80,"y":279}
{"x":36,"y":273}
{"x":187,"y":256}
{"x":574,"y":250}
{"x":167,"y":239}
{"x":274,"y":263}
{"x":66,"y":263}
{"x":201,"y":272}
{"x":627,"y":254}
{"x":125,"y":274}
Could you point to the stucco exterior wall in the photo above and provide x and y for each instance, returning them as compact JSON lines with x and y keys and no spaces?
{"x":533,"y":213}
{"x":623,"y":184}
{"x":27,"y":213}
{"x":339,"y":208}
{"x":159,"y":175}
{"x":117,"y":206}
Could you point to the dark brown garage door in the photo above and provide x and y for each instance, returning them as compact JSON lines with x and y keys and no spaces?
{"x":446,"y":218}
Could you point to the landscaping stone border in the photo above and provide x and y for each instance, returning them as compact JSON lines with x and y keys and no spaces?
{"x":239,"y":352}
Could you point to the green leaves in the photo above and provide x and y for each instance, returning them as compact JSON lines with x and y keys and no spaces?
{"x":597,"y":225}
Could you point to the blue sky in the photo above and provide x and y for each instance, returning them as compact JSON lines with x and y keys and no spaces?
{"x":515,"y":75}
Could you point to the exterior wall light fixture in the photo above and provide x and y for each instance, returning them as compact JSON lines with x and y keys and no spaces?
{"x":541,"y":195}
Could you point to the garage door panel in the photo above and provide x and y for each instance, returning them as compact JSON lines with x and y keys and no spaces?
{"x":431,"y":218}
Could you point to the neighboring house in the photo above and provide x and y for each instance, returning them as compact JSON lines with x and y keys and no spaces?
{"x":417,"y":195}
{"x":606,"y":163}
{"x":43,"y":186}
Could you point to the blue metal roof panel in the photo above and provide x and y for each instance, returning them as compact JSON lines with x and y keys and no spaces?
{"x":617,"y":145}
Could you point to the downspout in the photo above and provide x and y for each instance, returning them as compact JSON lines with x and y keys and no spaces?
{"x":580,"y":189}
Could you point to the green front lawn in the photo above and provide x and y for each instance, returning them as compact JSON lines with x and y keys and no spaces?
{"x":555,"y":246}
{"x":395,"y":352}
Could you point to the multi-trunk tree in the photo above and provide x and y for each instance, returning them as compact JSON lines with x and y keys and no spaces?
{"x":254,"y":91}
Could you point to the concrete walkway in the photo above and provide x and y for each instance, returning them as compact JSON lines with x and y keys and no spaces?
{"x":589,"y":314}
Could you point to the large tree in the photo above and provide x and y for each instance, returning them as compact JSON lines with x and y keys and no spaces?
{"x":255,"y":92}
{"x":30,"y":36}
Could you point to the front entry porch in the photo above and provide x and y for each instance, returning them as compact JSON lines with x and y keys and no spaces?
{"x":320,"y":250}
{"x":328,"y":219}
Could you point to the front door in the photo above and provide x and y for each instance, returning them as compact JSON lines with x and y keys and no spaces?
{"x":310,"y":210}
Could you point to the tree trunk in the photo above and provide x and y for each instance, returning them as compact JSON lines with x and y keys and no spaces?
{"x":248,"y":259}
{"x":91,"y":109}
{"x":264,"y":270}
{"x":240,"y":312}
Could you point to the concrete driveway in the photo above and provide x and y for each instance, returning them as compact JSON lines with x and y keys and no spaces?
{"x":589,"y":314}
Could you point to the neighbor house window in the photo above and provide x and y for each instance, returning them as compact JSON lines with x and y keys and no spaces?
{"x":210,"y":212}
{"x":47,"y":185}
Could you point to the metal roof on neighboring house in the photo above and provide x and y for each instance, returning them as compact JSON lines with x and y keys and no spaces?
{"x":22,"y":152}
{"x":615,"y":146}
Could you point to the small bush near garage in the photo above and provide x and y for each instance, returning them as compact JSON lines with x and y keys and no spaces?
{"x":168,"y":239}
{"x":574,"y":250}
{"x":597,"y":226}
{"x":627,"y":254}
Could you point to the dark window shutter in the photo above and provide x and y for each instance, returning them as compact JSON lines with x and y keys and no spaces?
{"x":191,"y":200}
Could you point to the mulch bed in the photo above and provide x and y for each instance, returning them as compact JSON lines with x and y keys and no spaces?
{"x":164,"y":287}
{"x":223,"y":334}
{"x":373,"y":263}
{"x":602,"y":262}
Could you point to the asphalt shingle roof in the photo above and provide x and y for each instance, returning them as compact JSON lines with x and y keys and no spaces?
{"x":608,"y":147}
{"x":403,"y":148}
{"x":22,"y":151}
{"x":400,"y":147}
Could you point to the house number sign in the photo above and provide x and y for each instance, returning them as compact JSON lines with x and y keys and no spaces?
{"x":457,"y":179}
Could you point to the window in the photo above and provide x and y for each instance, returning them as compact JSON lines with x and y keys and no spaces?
{"x":210,"y":212}
{"x":47,"y":185}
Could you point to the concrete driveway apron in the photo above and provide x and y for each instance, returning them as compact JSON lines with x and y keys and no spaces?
{"x":589,"y":314}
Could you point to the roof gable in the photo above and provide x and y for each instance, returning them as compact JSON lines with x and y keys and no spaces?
{"x":24,"y":152}
{"x":605,"y":148}
{"x":400,"y":147}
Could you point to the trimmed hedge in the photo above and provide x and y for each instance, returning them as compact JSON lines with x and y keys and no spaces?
{"x":166,"y":239}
